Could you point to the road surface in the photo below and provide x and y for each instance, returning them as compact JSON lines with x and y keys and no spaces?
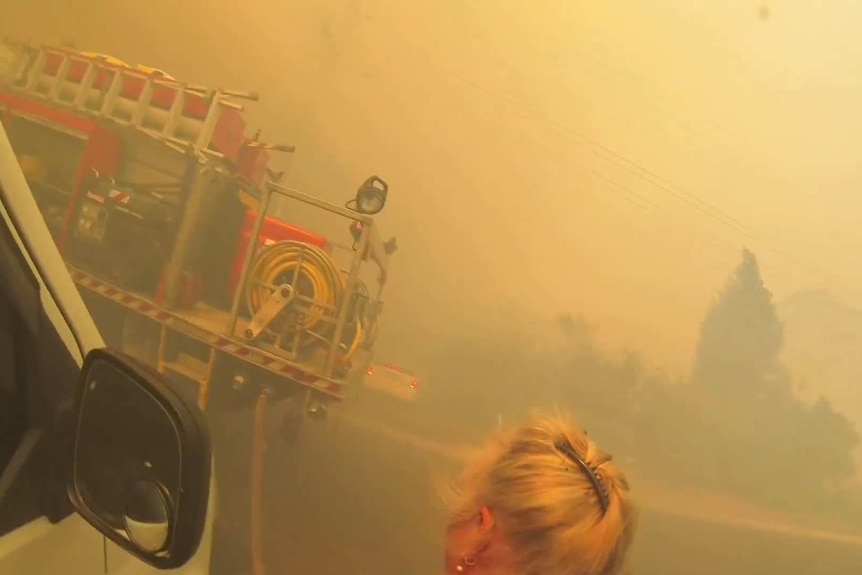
{"x":358,"y":497}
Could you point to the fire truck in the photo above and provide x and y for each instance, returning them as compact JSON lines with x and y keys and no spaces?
{"x":160,"y":203}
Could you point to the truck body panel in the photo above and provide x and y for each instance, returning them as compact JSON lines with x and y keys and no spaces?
{"x":152,"y":191}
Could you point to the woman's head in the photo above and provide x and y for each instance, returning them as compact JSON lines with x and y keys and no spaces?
{"x":540,"y":500}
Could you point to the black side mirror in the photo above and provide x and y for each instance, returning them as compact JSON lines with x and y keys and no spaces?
{"x":142,"y":460}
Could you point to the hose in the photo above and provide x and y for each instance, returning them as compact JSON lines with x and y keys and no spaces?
{"x":368,"y":325}
{"x":258,"y":447}
{"x":313,"y":268}
{"x":312,"y":273}
{"x":354,"y":343}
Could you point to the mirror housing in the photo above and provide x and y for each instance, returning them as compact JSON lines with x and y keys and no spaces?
{"x":142,"y":460}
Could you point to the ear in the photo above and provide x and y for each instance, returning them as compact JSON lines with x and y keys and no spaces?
{"x":486,"y":519}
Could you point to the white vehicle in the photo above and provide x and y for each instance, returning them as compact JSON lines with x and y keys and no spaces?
{"x":103,"y":469}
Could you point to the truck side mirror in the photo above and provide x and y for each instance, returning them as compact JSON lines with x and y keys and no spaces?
{"x":142,"y":460}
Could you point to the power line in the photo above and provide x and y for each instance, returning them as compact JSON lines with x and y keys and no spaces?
{"x":503,"y":129}
{"x":594,"y":146}
{"x":606,"y":183}
{"x":617,"y":159}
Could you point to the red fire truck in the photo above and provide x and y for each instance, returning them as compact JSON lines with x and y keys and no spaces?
{"x":153,"y":191}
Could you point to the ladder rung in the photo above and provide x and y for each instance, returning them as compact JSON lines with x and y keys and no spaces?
{"x":206,"y":133}
{"x":112,"y":95}
{"x":59,"y":77}
{"x":143,"y":102}
{"x":36,"y":71}
{"x":175,"y":113}
{"x":80,"y":99}
{"x":112,"y":103}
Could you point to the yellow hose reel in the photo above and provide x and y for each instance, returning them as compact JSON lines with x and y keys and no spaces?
{"x":317,"y":289}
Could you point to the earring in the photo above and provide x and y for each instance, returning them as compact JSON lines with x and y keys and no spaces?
{"x":465,"y":563}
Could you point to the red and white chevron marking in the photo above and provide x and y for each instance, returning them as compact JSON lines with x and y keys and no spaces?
{"x":228,"y":345}
{"x":119,"y":196}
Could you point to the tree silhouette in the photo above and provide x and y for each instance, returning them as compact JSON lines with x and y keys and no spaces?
{"x":759,"y":429}
{"x":825,"y":423}
{"x":741,"y":336}
{"x":739,"y":428}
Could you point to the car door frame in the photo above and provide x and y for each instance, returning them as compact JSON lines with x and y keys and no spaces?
{"x":54,"y":537}
{"x":37,"y":526}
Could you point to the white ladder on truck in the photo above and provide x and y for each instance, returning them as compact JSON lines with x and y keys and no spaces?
{"x":110,"y":102}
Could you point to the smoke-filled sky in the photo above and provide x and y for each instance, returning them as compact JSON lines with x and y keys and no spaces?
{"x":606,"y":158}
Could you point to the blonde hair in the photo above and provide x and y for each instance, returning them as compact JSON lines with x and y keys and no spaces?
{"x":547,"y":506}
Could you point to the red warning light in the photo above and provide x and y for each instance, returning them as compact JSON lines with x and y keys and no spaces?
{"x":369,"y":370}
{"x":414,"y":384}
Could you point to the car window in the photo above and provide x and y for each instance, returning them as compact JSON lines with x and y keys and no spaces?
{"x":15,"y":294}
{"x":18,"y":289}
{"x":13,"y":418}
{"x":33,"y":394}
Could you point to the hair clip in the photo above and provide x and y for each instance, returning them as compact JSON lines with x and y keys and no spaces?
{"x":564,"y":447}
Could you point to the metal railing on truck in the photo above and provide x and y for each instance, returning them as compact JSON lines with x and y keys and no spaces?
{"x":368,"y":247}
